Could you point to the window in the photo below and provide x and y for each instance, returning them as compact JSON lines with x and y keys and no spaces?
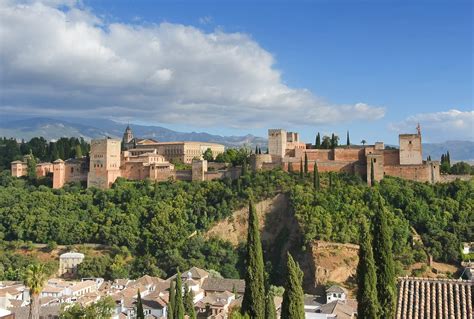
{"x":72,"y":169}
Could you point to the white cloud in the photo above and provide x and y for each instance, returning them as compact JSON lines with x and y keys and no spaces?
{"x":440,"y":126}
{"x":60,"y":57}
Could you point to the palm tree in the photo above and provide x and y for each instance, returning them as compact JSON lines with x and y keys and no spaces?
{"x":363,"y":142}
{"x":35,"y":277}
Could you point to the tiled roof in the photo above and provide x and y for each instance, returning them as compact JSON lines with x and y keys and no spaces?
{"x":336,"y":289}
{"x":434,"y":298}
{"x":341,"y":309}
{"x":222,"y":284}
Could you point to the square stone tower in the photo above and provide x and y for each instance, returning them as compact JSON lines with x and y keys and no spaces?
{"x":410,"y":149}
{"x":104,"y":165}
{"x":277,"y":139}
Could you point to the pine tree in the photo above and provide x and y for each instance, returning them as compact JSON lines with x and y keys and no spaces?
{"x":316,"y":183}
{"x":306,"y":169}
{"x":367,"y":302}
{"x":301,"y":169}
{"x":179,"y":304}
{"x":253,"y":302}
{"x":189,"y":302}
{"x":383,"y":257}
{"x":318,"y":141}
{"x":293,"y":298}
{"x":172,"y":300}
{"x":270,"y":312}
{"x":348,"y":141}
{"x":372,"y":174}
{"x":139,"y":310}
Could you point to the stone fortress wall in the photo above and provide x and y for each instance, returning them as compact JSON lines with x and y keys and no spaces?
{"x":405,"y":162}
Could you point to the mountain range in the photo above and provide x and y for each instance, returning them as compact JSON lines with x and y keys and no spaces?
{"x":52,"y":129}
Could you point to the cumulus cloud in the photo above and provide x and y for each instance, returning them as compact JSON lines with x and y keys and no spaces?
{"x":450,"y":125}
{"x":59,"y":57}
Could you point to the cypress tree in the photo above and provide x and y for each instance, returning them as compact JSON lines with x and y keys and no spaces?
{"x":31,"y":166}
{"x":316,"y":183}
{"x":78,"y":151}
{"x":172,"y":300}
{"x":348,"y":141}
{"x":372,"y":174}
{"x":244,"y":168}
{"x":259,"y":150}
{"x":139,"y":310}
{"x":448,"y":158}
{"x":367,"y":302}
{"x":301,"y":169}
{"x":306,"y":169}
{"x":383,"y":257}
{"x":253,"y":302}
{"x":318,"y":141}
{"x":256,"y":149}
{"x":293,"y":298}
{"x":189,"y":302}
{"x":179,"y":305}
{"x":270,"y":312}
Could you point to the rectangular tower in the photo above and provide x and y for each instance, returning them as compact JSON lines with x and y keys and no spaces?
{"x":277,"y":142}
{"x":104,"y":165}
{"x":410,"y":149}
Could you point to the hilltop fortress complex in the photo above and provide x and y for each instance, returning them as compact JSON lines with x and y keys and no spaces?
{"x":286,"y":151}
{"x":137,"y":159}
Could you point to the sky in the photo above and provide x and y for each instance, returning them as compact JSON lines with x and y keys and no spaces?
{"x":373,"y":68}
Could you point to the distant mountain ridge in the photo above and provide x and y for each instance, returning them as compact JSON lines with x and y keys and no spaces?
{"x":53,"y":129}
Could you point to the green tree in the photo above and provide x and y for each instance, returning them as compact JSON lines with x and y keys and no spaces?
{"x":253,"y":302}
{"x":318,"y":141}
{"x":179,"y":304}
{"x":326,"y":143}
{"x":31,"y":167}
{"x":189,"y":302}
{"x":348,"y":140}
{"x":293,"y":297}
{"x":301,"y":169}
{"x":383,"y":257}
{"x":363,"y":142}
{"x":34,"y":279}
{"x":334,"y":140}
{"x":207,"y":155}
{"x":367,"y":301}
{"x":102,"y":309}
{"x":306,"y":168}
{"x":78,"y":151}
{"x":172,"y":300}
{"x":244,"y":168}
{"x":316,"y":183}
{"x":461,"y":168}
{"x":139,"y":307}
{"x":270,"y":311}
{"x":372,"y":174}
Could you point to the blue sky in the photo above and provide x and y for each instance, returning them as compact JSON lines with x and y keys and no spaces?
{"x":411,"y":59}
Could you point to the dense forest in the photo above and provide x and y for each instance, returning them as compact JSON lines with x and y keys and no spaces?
{"x":64,"y":148}
{"x":441,"y":214}
{"x":160,"y":224}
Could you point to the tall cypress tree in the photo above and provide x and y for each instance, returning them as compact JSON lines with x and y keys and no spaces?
{"x":372,"y":174}
{"x":270,"y":312}
{"x":244,"y":167}
{"x":316,"y":183}
{"x":383,"y":257}
{"x":293,"y":298}
{"x":172,"y":300}
{"x":253,"y":302}
{"x":348,"y":141}
{"x":139,"y":310}
{"x":189,"y":302}
{"x":367,"y":301}
{"x":448,"y":158}
{"x":301,"y":169}
{"x":306,"y":168}
{"x":179,"y":305}
{"x":318,"y":141}
{"x":31,"y":166}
